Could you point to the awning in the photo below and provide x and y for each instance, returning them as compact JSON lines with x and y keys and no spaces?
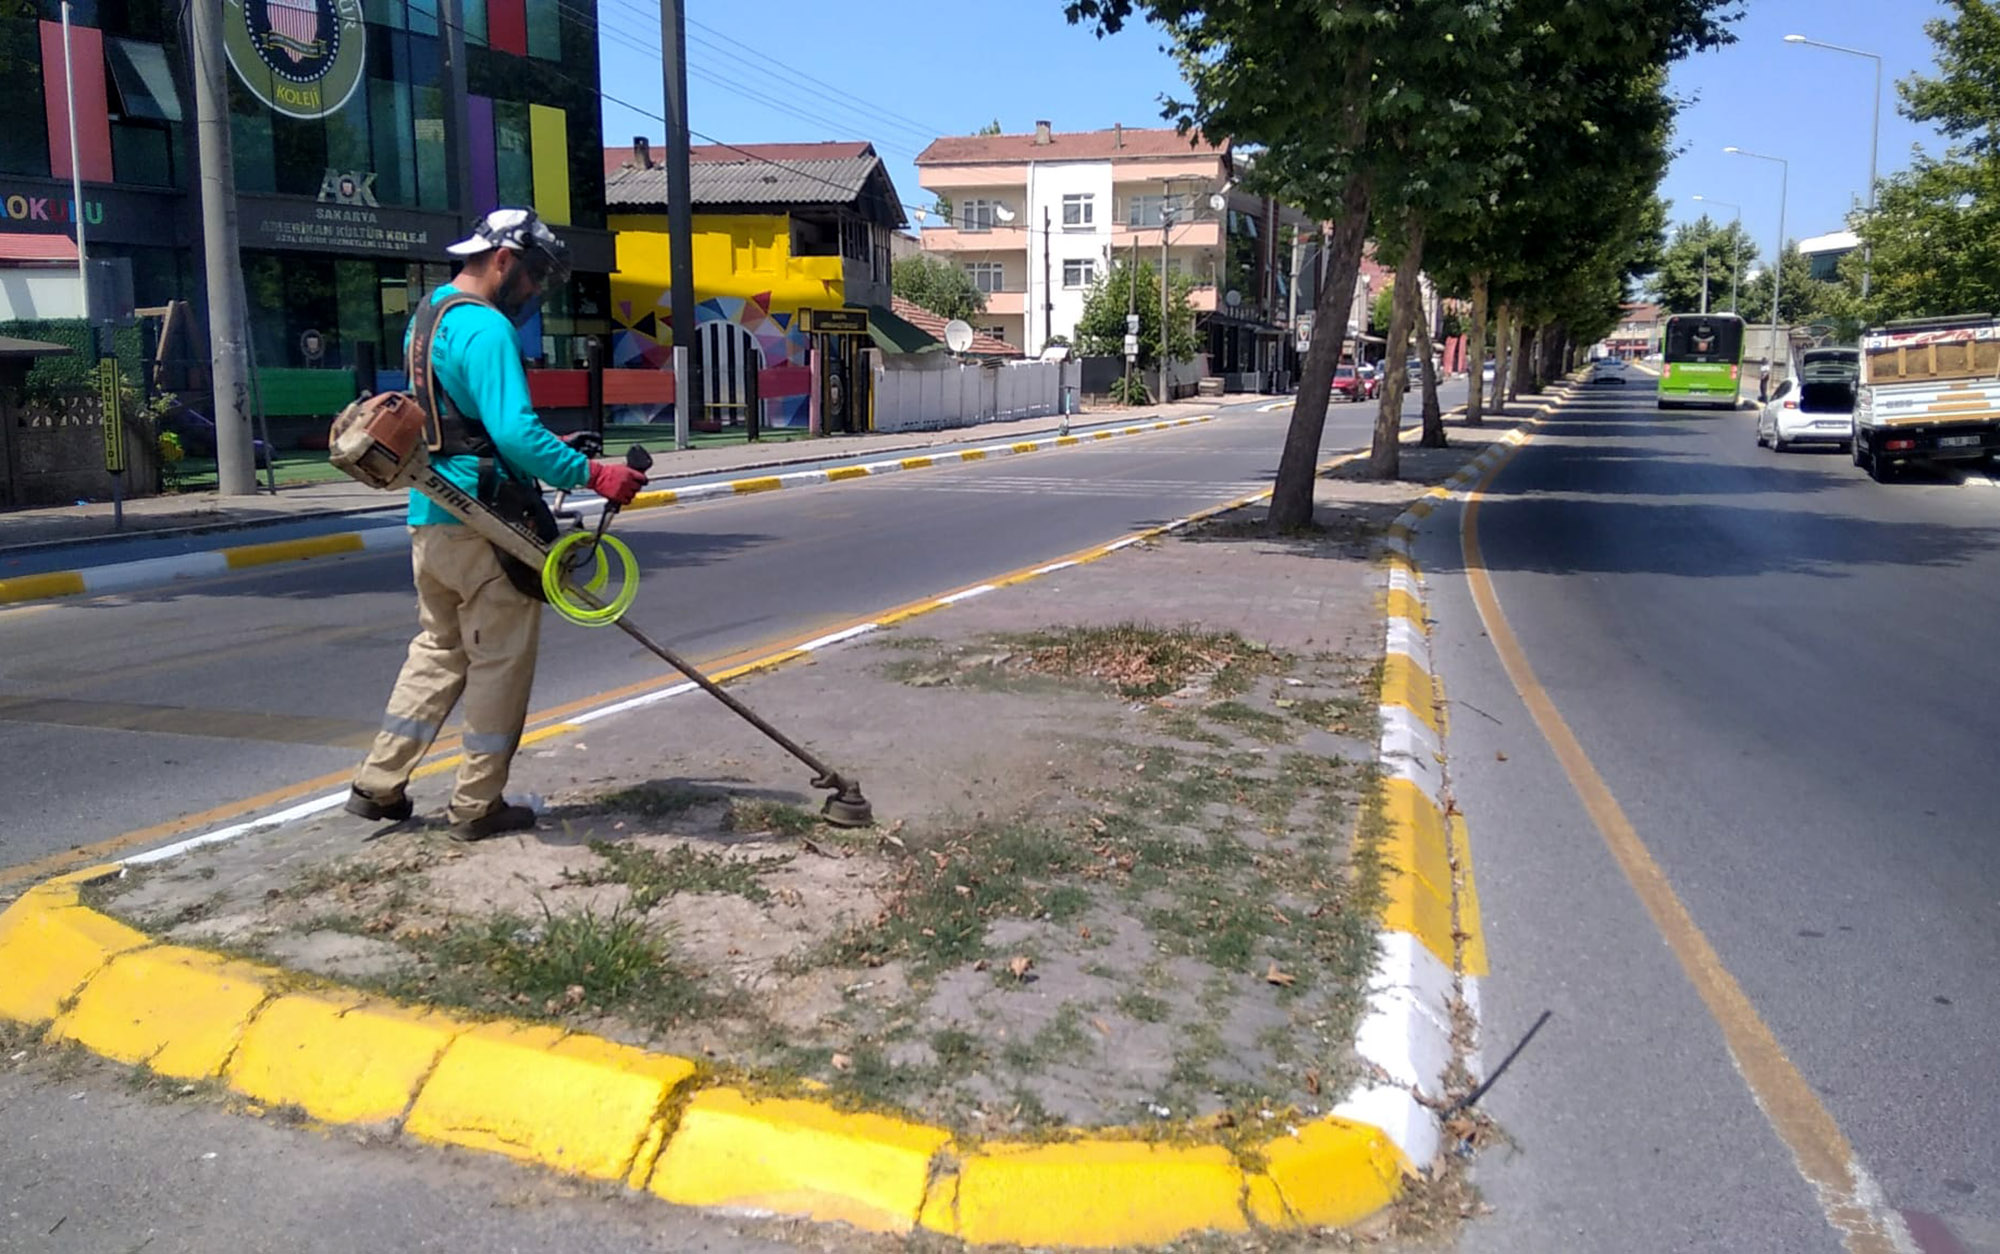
{"x":11,"y":347}
{"x":145,"y":82}
{"x":17,"y":246}
{"x":897,"y":336}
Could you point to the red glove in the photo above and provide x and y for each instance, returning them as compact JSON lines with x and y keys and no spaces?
{"x":615,"y":481}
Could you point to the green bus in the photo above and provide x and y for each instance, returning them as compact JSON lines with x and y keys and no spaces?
{"x":1703,"y":360}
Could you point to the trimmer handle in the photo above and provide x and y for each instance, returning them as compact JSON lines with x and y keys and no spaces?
{"x":638,"y":458}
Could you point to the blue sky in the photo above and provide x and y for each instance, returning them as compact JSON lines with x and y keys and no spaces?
{"x":898,"y":75}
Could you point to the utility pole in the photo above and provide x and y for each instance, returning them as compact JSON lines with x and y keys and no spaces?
{"x":1166,"y":336}
{"x":1704,"y":280}
{"x":229,"y":375}
{"x":1131,"y":309}
{"x":1048,"y":292}
{"x":76,"y":213}
{"x":680,"y":212}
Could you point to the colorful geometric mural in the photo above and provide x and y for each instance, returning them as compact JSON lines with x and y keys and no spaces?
{"x":745,"y":275}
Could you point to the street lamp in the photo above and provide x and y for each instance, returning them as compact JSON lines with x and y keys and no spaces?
{"x":1777,"y":265}
{"x":1874,"y":139}
{"x":1735,"y":245}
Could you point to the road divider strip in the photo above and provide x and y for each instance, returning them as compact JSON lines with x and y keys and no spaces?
{"x":668,"y":1125}
{"x":157,"y":571}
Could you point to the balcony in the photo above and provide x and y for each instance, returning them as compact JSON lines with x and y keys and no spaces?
{"x":1007,"y":302}
{"x":946,"y":239}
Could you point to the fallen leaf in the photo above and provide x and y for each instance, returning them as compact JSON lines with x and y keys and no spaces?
{"x":1499,"y":757}
{"x":841,"y":1062}
{"x":1020,"y":965}
{"x":1101,"y":1026}
{"x":1284,"y":703}
{"x":980,"y":965}
{"x":1083,"y":932}
{"x":962,"y":890}
{"x":1312,"y":1081}
{"x":1280,"y":978}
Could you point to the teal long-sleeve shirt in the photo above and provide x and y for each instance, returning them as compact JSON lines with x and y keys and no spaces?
{"x":477,"y":361}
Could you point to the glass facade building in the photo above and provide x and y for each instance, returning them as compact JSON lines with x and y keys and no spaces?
{"x":367,"y":135}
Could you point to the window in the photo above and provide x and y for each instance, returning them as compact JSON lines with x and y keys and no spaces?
{"x":987,"y":276}
{"x":544,"y":30}
{"x":978,"y":215}
{"x":24,"y":142}
{"x":1079,"y":272}
{"x":998,"y":333}
{"x":513,"y":161}
{"x":1144,"y":211}
{"x":1079,"y":209}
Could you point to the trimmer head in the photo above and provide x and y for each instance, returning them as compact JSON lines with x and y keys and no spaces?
{"x":846,"y":807}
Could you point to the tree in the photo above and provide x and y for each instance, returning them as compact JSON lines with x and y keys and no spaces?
{"x":938,"y":285}
{"x":1382,"y":308}
{"x":991,"y":128}
{"x":1676,"y":283}
{"x":1100,"y":332}
{"x":1935,"y":232}
{"x":1804,"y":299}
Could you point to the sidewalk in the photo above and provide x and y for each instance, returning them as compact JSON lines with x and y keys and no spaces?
{"x":30,"y":529}
{"x":1136,"y":870}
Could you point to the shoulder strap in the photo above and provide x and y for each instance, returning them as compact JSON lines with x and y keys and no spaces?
{"x":466,"y":434}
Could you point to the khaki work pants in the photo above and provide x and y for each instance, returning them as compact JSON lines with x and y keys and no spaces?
{"x":478,"y":638}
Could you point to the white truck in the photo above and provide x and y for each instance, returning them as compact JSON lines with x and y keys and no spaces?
{"x":1930,"y":389}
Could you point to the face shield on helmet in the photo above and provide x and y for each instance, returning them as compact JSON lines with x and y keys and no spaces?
{"x":541,"y":260}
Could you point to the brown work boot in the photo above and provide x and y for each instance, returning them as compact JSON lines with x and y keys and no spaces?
{"x":376,"y":810}
{"x":500,"y":818}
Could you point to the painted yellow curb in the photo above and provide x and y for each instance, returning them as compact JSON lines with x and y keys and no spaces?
{"x":177,"y":1010}
{"x":50,"y":948}
{"x":1471,"y":928}
{"x":1094,"y":1194}
{"x":1402,"y":604}
{"x":798,"y":1158}
{"x":57,"y":583}
{"x":1409,"y":685}
{"x":577,"y":1103}
{"x":339,"y":1059}
{"x":242,"y":556}
{"x":1332,"y":1172}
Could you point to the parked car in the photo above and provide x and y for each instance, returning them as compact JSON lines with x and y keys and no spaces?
{"x":1486,"y":371}
{"x":1349,"y":383}
{"x":1372,"y":374}
{"x":1817,"y":405}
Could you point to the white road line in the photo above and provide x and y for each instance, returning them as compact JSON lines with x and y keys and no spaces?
{"x":837,"y":637}
{"x":966,"y":595}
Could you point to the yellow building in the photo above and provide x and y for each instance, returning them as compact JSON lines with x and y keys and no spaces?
{"x":778,"y":229}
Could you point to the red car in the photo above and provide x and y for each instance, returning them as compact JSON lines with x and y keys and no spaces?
{"x":1364,"y":384}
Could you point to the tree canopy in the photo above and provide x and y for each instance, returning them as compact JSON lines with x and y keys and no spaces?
{"x":1935,"y":232}
{"x":1675,"y":283}
{"x":1100,"y":332}
{"x":938,"y":285}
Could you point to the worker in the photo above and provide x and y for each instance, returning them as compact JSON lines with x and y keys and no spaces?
{"x":478,"y":630}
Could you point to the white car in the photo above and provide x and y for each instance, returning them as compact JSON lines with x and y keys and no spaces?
{"x":1486,"y":373}
{"x":1816,"y":406}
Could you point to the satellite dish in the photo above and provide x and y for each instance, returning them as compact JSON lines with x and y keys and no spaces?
{"x":1003,"y":213}
{"x":1232,"y":298}
{"x":1218,"y":202}
{"x":958,"y":335}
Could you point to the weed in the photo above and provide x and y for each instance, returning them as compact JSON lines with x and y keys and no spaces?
{"x":753,"y":815}
{"x":655,"y":875}
{"x":1256,"y":723}
{"x":1142,"y":661}
{"x":1144,"y":1007}
{"x":659,"y":800}
{"x":569,"y":961}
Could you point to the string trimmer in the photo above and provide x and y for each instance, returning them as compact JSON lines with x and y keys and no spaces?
{"x":379,"y":441}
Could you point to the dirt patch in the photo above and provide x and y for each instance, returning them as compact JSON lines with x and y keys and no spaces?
{"x":1122,"y":873}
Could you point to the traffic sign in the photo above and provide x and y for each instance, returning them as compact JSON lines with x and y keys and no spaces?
{"x":1131,"y":324}
{"x":111,"y":395}
{"x":1131,"y":346}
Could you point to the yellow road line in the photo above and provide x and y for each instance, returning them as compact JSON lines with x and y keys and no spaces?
{"x":1819,"y":1148}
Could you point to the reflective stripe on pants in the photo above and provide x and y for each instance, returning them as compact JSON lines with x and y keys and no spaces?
{"x":477,"y":639}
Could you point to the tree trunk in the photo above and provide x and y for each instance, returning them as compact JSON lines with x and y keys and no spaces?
{"x":1298,"y":465}
{"x":1434,"y":436}
{"x":1503,"y":354}
{"x":1517,"y":353}
{"x":1385,"y":458}
{"x":1475,"y":353}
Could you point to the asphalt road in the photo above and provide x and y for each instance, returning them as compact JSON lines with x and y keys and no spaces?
{"x":123,"y":712}
{"x":1785,"y":674}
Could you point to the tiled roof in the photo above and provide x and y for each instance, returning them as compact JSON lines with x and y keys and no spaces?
{"x":1133,"y":142}
{"x":931,"y":324}
{"x":827,"y":150}
{"x":772,"y":182}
